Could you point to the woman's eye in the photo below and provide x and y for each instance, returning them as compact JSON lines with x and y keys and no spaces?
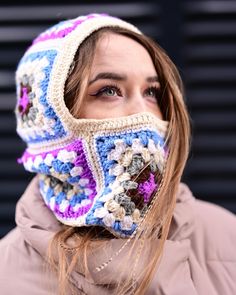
{"x":153,"y":92}
{"x":109,"y":91}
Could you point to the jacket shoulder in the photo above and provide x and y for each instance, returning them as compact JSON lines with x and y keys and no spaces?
{"x":15,"y":251}
{"x":25,"y":265}
{"x":215,"y":229}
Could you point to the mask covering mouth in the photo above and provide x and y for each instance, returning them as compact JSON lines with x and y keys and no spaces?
{"x":107,"y":175}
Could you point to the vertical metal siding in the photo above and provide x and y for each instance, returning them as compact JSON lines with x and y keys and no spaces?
{"x":209,"y":53}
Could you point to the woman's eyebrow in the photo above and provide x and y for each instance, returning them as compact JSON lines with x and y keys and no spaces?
{"x":152,"y":79}
{"x":109,"y":76}
{"x":118,"y":77}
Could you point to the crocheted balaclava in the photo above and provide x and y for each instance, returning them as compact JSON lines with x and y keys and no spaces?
{"x":92,"y":172}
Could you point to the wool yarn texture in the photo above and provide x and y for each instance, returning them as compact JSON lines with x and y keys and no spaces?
{"x":92,"y":172}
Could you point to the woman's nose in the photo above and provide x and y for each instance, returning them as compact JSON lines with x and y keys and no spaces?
{"x":135,"y":104}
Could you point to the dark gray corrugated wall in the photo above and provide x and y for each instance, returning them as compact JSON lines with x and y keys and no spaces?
{"x":209,"y":56}
{"x":200,"y":36}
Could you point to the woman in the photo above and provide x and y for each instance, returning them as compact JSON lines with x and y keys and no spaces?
{"x":101,"y":109}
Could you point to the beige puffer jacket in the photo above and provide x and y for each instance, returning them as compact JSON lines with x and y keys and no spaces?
{"x":199,"y":256}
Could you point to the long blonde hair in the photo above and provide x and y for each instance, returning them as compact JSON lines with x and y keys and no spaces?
{"x":157,"y":221}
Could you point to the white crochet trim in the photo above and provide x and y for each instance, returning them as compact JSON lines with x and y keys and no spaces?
{"x":64,"y":60}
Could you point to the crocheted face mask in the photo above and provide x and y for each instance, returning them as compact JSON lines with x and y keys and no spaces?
{"x":107,"y":176}
{"x":92,"y":172}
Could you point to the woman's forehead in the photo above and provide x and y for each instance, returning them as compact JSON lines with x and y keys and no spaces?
{"x":118,"y":52}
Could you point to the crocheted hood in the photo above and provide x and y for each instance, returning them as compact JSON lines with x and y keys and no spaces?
{"x":43,"y":120}
{"x":90,"y":169}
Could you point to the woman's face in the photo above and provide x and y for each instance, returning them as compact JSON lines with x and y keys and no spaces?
{"x":123,"y":80}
